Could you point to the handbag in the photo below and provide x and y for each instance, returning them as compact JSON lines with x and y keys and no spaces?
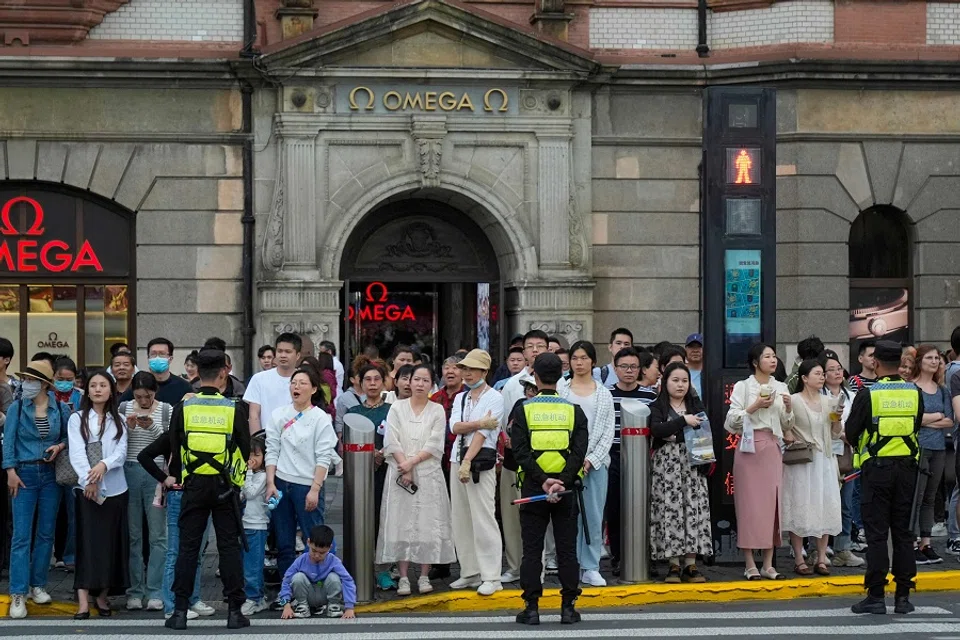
{"x":845,"y":460}
{"x":66,"y":475}
{"x":485,"y":459}
{"x":798,"y":453}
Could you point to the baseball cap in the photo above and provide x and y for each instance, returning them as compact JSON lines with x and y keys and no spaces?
{"x":694,"y":337}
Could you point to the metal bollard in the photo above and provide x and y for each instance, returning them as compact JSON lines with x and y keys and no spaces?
{"x":634,"y":490}
{"x":358,"y":503}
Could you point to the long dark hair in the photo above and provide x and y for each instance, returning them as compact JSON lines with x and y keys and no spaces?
{"x":308,"y":369}
{"x":109,"y":408}
{"x":805,"y":368}
{"x":690,"y":401}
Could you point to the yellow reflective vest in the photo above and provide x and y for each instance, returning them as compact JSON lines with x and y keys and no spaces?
{"x":550,"y":420}
{"x":208,"y":448}
{"x":894,"y":406}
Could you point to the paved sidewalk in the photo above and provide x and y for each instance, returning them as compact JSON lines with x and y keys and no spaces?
{"x":719,"y":576}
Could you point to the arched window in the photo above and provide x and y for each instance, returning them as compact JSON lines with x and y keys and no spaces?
{"x":66,"y":272}
{"x":880,"y":276}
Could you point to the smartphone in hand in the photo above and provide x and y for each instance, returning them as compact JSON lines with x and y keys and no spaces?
{"x":411,"y":488}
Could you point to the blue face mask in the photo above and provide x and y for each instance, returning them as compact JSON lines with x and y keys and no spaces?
{"x":63,"y":386}
{"x":158,"y":365}
{"x":475,"y":385}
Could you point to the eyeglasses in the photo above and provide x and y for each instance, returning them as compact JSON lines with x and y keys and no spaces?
{"x":628,"y":367}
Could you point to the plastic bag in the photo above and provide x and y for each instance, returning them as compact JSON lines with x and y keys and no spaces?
{"x":699,"y":444}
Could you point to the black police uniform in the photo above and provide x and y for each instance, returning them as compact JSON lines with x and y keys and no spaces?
{"x":535,"y":517}
{"x":206,"y":496}
{"x":888,"y":482}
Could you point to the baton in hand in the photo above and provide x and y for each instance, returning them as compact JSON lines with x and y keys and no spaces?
{"x":540,"y":498}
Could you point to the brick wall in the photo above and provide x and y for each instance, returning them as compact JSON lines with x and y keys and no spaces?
{"x":894,"y":22}
{"x":638,"y":28}
{"x":781,"y":23}
{"x":174,"y":20}
{"x":943,"y":23}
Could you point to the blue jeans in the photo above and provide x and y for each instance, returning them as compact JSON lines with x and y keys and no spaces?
{"x":842,"y":541}
{"x":953,"y":530}
{"x":142,"y":487}
{"x":291,"y":512}
{"x":173,"y":550}
{"x":253,"y":563}
{"x":40,"y":497}
{"x":594,"y":499}
{"x":70,"y":545}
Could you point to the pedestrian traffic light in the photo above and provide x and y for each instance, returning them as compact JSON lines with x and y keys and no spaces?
{"x":743,"y":166}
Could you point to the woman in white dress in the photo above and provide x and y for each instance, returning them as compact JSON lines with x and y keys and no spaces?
{"x":811,"y":490}
{"x":415,"y":513}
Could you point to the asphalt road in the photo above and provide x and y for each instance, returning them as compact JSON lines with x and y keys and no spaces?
{"x":937,"y":618}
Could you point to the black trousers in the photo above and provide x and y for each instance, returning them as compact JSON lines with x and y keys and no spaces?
{"x":611,"y":510}
{"x":534,"y":519}
{"x":886,"y":497}
{"x":204,"y":497}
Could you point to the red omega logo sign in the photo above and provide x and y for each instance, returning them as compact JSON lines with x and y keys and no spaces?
{"x":375,"y":306}
{"x":53,"y":255}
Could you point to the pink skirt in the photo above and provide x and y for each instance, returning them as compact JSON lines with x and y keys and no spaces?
{"x":756,"y":495}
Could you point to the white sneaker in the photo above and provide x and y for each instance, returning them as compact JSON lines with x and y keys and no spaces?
{"x":203,"y":609}
{"x":155,"y":604}
{"x":509,"y":577}
{"x":489,"y":588}
{"x":301,"y":610}
{"x":551,"y":567}
{"x":423,"y":585}
{"x":134,"y":604}
{"x":469,"y":582}
{"x":605,"y":553}
{"x":847,"y":559}
{"x":403,"y":586}
{"x":593,"y":579}
{"x":18,"y":607}
{"x":939,"y":530}
{"x":299,"y":545}
{"x":253,"y":607}
{"x":191,"y":615}
{"x":39,"y":595}
{"x":829,"y":552}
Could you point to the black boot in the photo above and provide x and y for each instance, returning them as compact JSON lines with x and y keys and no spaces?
{"x":177,"y":621}
{"x":870,"y":604}
{"x":530,"y":615}
{"x":901,"y":601}
{"x":569,"y":615}
{"x":236,"y":620}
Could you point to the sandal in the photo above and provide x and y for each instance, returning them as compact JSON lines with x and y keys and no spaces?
{"x":802,"y":569}
{"x":772,"y":574}
{"x":751,"y":574}
{"x":822,"y":569}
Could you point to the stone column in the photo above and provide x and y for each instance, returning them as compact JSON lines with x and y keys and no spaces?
{"x":300,"y":216}
{"x":553,"y":186}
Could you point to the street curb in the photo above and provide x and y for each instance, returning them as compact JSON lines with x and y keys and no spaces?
{"x":654,"y":593}
{"x":602,"y":597}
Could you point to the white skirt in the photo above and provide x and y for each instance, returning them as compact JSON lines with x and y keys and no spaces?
{"x":811,"y":497}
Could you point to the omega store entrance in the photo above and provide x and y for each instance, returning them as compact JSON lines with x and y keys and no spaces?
{"x":420,"y":273}
{"x":66,"y":274}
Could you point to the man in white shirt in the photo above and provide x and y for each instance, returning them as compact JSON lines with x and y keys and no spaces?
{"x":534,"y":343}
{"x":270,"y":389}
{"x":328,"y":347}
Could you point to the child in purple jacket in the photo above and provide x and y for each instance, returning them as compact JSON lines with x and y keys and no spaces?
{"x":317,"y":580}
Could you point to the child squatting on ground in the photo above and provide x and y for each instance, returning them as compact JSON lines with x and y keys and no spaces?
{"x":318,"y":582}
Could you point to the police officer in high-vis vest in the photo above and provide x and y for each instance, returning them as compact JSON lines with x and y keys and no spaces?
{"x":549,"y":437}
{"x":211,"y":435}
{"x":882,"y":429}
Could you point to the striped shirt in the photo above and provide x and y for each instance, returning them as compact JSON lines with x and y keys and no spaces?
{"x":646,"y":395}
{"x":137,"y":437}
{"x":43,"y":426}
{"x":859,"y":382}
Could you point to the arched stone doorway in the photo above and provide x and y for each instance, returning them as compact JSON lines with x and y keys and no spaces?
{"x":419,"y":269}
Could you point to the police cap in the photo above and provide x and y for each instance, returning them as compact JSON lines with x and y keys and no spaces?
{"x":548,"y":368}
{"x":888,"y":351}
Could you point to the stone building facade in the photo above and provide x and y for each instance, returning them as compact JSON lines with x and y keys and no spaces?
{"x":551,"y":149}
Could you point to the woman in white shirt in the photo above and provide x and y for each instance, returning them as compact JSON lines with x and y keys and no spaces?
{"x":597,"y":404}
{"x":415,"y":524}
{"x":301,"y":447}
{"x":103,"y":541}
{"x":760,"y":412}
{"x":475,"y":418}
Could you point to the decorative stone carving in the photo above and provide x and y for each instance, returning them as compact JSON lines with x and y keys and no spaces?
{"x":286,"y":327}
{"x":418,"y":241}
{"x":540,"y":102}
{"x":430,"y":154}
{"x":33,"y":22}
{"x":570,"y":330}
{"x":554,"y":199}
{"x":273,"y":232}
{"x":318,"y":331}
{"x":577,"y":244}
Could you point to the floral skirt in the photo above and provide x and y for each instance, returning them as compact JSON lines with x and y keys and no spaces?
{"x":679,"y":506}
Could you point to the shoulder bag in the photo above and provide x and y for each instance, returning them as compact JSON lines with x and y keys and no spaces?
{"x":485,"y":459}
{"x":66,"y":475}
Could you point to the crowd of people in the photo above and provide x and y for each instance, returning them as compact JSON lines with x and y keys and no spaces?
{"x":104,"y":468}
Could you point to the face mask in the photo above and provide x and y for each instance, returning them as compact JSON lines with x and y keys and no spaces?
{"x":63,"y":386}
{"x":475,"y":385}
{"x":159,"y":365}
{"x":31,"y":388}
